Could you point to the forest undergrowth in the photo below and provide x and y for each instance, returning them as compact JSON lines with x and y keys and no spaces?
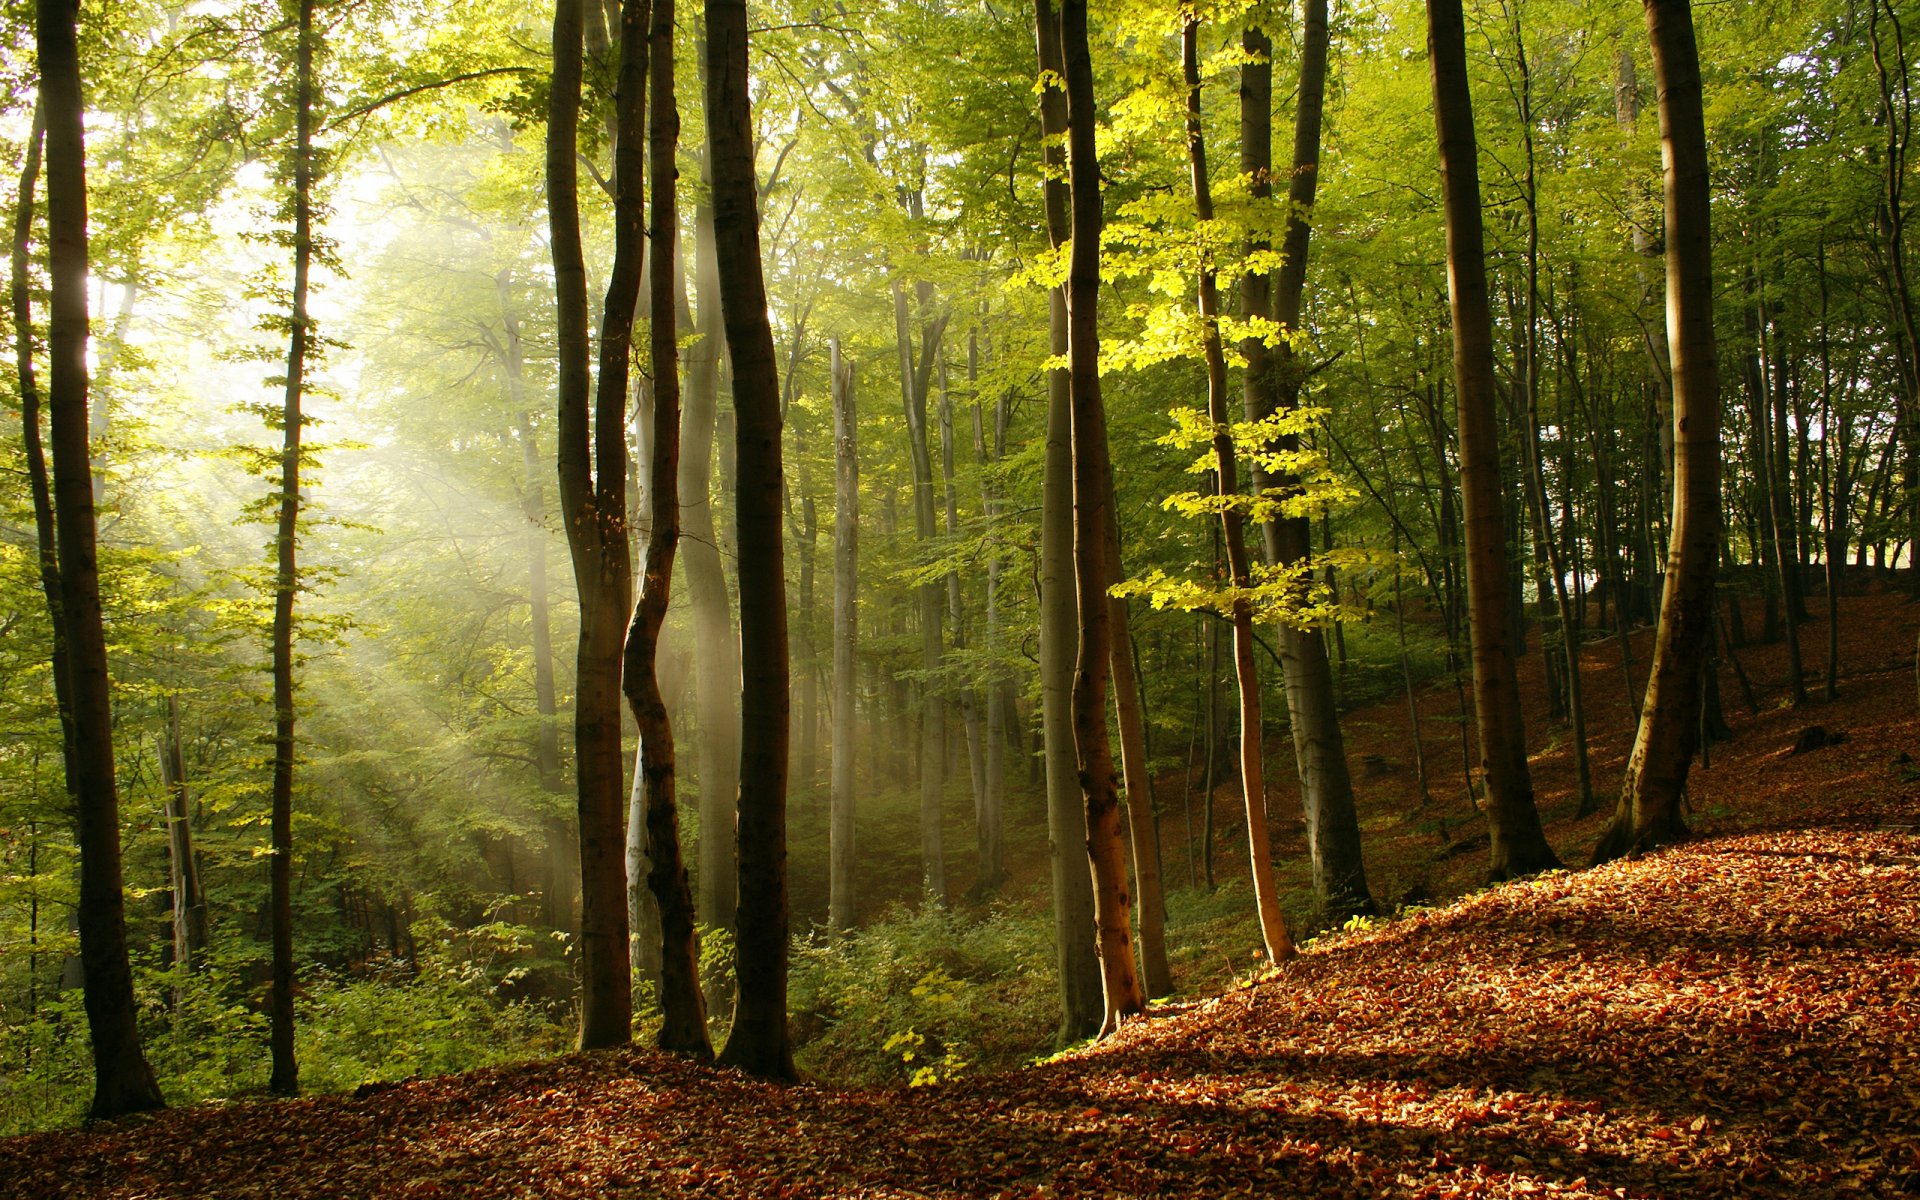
{"x":1735,"y":1017}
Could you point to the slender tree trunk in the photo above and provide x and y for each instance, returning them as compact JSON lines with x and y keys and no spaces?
{"x":189,"y":900}
{"x":916,"y":381}
{"x":969,"y":696}
{"x":759,"y":1042}
{"x":285,"y":1077}
{"x":593,"y":478}
{"x":1273,"y":923}
{"x":1536,"y":474}
{"x":846,"y":640}
{"x":123,"y":1082}
{"x":683,"y":1009}
{"x":1075,"y":950}
{"x":1518,"y":845}
{"x":992,"y":755}
{"x":1273,"y":383}
{"x":1649,"y":811}
{"x":1143,"y":833}
{"x":1092,"y":493}
{"x":716,"y":651}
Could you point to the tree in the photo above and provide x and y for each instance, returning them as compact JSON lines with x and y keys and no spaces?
{"x":285,"y":1079}
{"x":1518,"y":845}
{"x":759,"y":1042}
{"x":1075,"y":954}
{"x":1273,"y":384}
{"x":1648,"y":813}
{"x":1092,"y":509}
{"x":684,"y":1028}
{"x":123,"y":1082}
{"x":846,"y":637}
{"x":1233,"y":521}
{"x":593,"y":480}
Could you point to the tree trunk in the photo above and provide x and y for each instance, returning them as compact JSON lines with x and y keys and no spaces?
{"x":123,"y":1082}
{"x":1076,"y":953}
{"x":1273,"y":923}
{"x":759,"y":1042}
{"x":969,"y":695}
{"x":285,"y":1077}
{"x":1649,"y":810}
{"x":1273,"y":383}
{"x":846,"y":640}
{"x":916,"y":380}
{"x":189,"y":900}
{"x":1518,"y":846}
{"x":1536,"y":473}
{"x":1092,"y":492}
{"x":683,"y":1010}
{"x":992,"y":785}
{"x":593,"y":478}
{"x":716,"y":649}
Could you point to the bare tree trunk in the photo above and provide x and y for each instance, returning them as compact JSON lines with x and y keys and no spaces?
{"x":1536,"y":474}
{"x":916,"y":380}
{"x":1075,"y":951}
{"x":683,"y":1009}
{"x":846,"y":640}
{"x":1092,"y":500}
{"x":1518,"y":845}
{"x":593,"y":480}
{"x":758,"y":1043}
{"x":1143,"y":832}
{"x":285,"y":1077}
{"x":1273,"y":383}
{"x":123,"y":1082}
{"x":1273,"y":923}
{"x":969,"y":696}
{"x":716,"y":650}
{"x":189,"y":900}
{"x":1649,"y":811}
{"x":991,"y":799}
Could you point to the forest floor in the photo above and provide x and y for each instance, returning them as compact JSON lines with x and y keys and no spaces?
{"x":1739,"y":1016}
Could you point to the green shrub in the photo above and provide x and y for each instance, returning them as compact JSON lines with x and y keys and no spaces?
{"x":924,"y":995}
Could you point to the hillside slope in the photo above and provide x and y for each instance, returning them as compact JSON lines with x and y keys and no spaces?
{"x":1739,"y":1017}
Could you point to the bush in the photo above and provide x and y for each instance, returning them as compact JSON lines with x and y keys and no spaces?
{"x":924,"y":995}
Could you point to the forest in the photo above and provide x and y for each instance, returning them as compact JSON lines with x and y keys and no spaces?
{"x":921,"y":598}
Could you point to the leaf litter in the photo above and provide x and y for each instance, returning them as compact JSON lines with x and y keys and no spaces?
{"x":1735,"y":1017}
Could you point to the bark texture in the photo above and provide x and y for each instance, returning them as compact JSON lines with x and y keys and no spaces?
{"x":1273,"y":383}
{"x":1093,"y":573}
{"x":683,"y":1028}
{"x":759,"y":1042}
{"x":1649,"y":812}
{"x":1518,"y":846}
{"x":1075,"y":954}
{"x":592,"y":479}
{"x":123,"y":1082}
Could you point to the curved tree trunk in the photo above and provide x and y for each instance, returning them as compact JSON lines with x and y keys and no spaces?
{"x":758,"y":1043}
{"x":1092,"y":500}
{"x":1273,"y":923}
{"x":593,"y":478}
{"x":1518,"y":845}
{"x":1649,"y":810}
{"x":684,"y":1011}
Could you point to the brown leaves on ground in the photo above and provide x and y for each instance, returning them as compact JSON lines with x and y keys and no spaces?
{"x":1738,"y":1017}
{"x":1735,"y":1018}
